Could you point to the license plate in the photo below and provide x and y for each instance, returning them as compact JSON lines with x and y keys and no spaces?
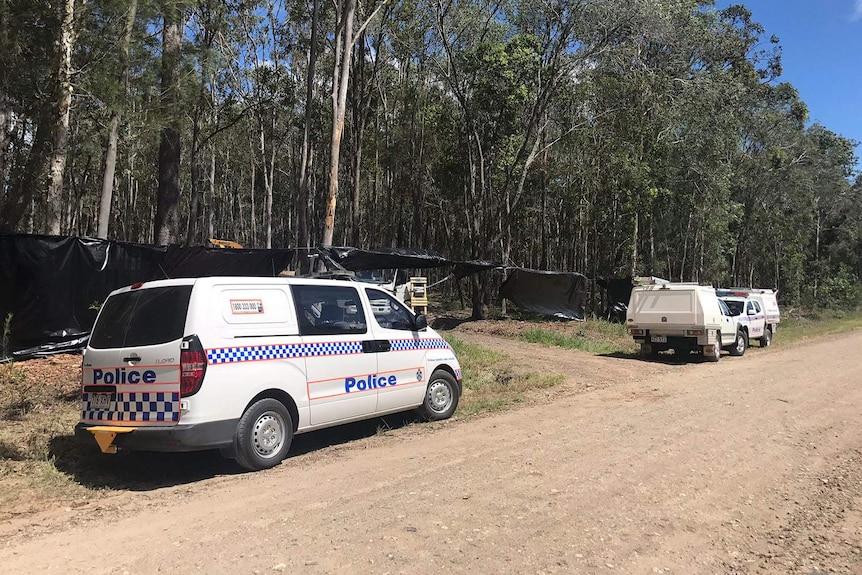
{"x":658,"y":338}
{"x":100,"y":400}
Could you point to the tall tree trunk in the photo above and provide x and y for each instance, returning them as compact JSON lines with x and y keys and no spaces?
{"x":340,"y":77}
{"x":211,"y":197}
{"x":108,"y":176}
{"x":25,"y":180}
{"x":253,"y":219}
{"x":7,"y":130}
{"x":634,"y":263}
{"x":114,"y":129}
{"x":167,"y":220}
{"x":268,"y":170}
{"x":302,"y":239}
{"x":358,"y":129}
{"x":57,"y":163}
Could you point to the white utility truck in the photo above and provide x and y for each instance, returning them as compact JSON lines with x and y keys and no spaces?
{"x":684,"y":317}
{"x":243,"y":364}
{"x":757,"y":310}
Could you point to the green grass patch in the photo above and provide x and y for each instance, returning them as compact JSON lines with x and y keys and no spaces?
{"x":567,"y":341}
{"x":816,"y":324}
{"x":491,"y":380}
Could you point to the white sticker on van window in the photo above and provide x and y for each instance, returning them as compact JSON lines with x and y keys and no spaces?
{"x":246,"y":306}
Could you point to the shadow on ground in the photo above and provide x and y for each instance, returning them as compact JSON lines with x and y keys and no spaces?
{"x":144,"y":471}
{"x":663,"y":357}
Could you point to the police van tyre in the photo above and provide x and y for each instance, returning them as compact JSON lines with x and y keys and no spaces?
{"x":740,"y":343}
{"x":263,"y":435}
{"x":766,"y":340}
{"x":716,"y":349}
{"x":441,"y":397}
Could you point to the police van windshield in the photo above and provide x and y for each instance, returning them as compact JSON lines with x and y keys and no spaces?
{"x":142,"y":317}
{"x":735,"y":307}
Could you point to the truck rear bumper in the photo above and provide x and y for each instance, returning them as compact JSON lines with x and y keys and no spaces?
{"x":677,"y":341}
{"x":195,"y":437}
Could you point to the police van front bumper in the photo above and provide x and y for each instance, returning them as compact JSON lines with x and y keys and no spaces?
{"x":194,"y":437}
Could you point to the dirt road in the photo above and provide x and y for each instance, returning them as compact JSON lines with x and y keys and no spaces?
{"x":751,"y":465}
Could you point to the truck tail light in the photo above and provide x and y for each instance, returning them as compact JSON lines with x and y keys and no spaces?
{"x":694,"y":332}
{"x":636,"y":331}
{"x":193,"y":366}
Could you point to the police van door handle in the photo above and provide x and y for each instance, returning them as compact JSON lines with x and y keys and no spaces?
{"x":375,"y":346}
{"x":131,"y":359}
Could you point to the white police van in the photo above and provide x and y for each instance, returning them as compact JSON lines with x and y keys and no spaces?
{"x":243,"y":364}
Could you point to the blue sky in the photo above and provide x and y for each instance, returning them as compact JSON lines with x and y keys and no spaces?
{"x":821,"y":44}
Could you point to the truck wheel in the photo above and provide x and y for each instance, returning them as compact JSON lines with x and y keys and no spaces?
{"x":740,"y":344}
{"x":766,"y":340}
{"x":263,"y":435}
{"x":441,"y":397}
{"x":716,"y":349}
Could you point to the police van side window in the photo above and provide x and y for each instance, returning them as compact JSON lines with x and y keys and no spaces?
{"x":328,"y":310}
{"x":389,"y":313}
{"x":756,"y":306}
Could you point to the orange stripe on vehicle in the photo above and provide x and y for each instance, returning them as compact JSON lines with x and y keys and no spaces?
{"x":364,"y":374}
{"x":401,"y":385}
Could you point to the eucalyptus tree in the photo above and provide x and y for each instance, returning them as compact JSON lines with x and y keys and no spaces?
{"x":166,"y":227}
{"x":60,"y":128}
{"x":27,"y":104}
{"x":114,"y":123}
{"x":345,"y":39}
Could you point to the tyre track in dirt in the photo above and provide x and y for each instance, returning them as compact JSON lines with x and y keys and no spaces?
{"x":750,"y":465}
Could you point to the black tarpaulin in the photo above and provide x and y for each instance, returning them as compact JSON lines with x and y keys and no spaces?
{"x":464,"y":269}
{"x":198,"y":261}
{"x":559,"y":294}
{"x":617,"y":292}
{"x":354,"y":259}
{"x":53,"y":286}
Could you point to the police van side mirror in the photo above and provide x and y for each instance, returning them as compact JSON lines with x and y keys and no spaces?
{"x":751,"y":311}
{"x":420,"y":323}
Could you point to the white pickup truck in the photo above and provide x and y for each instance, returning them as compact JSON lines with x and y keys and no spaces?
{"x":684,"y":317}
{"x":756,"y":310}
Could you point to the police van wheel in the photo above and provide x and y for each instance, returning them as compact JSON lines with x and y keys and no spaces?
{"x":740,"y":344}
{"x":263,"y":435}
{"x":441,"y":397}
{"x":766,"y":340}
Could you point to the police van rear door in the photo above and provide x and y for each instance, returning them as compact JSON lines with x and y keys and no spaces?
{"x":131,"y":368}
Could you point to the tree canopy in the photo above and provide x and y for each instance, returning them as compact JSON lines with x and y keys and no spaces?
{"x":652,"y":137}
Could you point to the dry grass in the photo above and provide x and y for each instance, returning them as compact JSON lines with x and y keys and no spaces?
{"x":594,"y":335}
{"x":492,"y":381}
{"x":38,"y":410}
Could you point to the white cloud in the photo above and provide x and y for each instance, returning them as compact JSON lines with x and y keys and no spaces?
{"x":857,"y":11}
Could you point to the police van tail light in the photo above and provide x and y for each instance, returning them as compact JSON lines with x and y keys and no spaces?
{"x":193,"y":366}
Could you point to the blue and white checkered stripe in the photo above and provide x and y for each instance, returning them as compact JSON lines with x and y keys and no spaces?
{"x":281,"y":351}
{"x":136,"y":407}
{"x":411,"y":344}
{"x":458,"y":374}
{"x":316,"y":349}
